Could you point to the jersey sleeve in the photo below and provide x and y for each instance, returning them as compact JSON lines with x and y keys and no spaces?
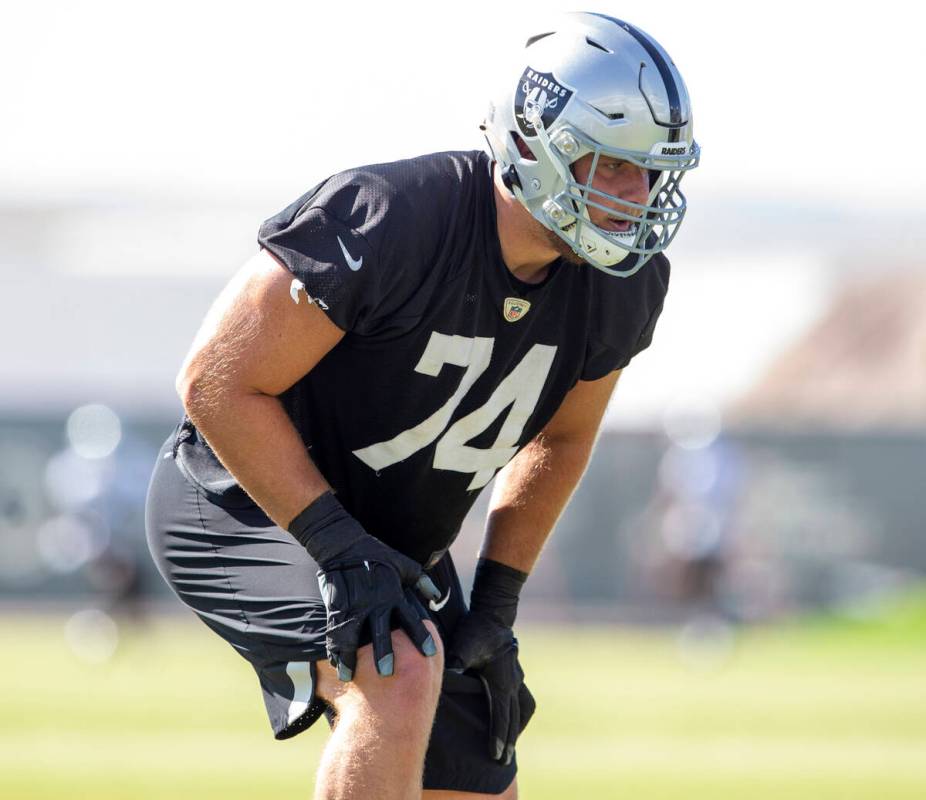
{"x":627,"y":315}
{"x":348,"y":243}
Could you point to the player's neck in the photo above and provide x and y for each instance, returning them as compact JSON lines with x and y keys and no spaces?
{"x":525,"y":250}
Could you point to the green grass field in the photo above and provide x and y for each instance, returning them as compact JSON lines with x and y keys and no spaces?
{"x":819,"y":710}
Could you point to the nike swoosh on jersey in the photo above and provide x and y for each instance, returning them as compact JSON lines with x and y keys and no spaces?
{"x":435,"y":606}
{"x":353,"y":263}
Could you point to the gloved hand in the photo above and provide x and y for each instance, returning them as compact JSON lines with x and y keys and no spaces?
{"x":362,"y":581}
{"x":483,"y":641}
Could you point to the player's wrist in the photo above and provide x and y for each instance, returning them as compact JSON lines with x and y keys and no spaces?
{"x":496,"y":590}
{"x":326,"y":529}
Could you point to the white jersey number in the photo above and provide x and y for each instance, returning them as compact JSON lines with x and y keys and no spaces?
{"x":520,"y":390}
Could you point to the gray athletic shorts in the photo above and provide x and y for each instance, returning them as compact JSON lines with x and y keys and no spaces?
{"x":255,"y":586}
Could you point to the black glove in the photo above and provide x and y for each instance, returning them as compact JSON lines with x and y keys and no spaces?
{"x":362,"y":580}
{"x":483,"y":641}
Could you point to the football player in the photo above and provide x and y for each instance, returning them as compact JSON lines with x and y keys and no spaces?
{"x":406,"y":333}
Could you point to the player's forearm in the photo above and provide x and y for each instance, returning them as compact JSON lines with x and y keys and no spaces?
{"x":529,"y":496}
{"x":255,"y":439}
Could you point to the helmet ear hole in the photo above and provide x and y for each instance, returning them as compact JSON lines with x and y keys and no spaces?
{"x":523,"y":149}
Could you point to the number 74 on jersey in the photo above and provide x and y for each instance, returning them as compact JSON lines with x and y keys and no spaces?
{"x":520,"y":390}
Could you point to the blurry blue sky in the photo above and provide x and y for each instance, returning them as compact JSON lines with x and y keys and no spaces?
{"x":146,"y":141}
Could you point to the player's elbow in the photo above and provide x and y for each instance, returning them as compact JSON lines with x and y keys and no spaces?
{"x":183,"y":386}
{"x":200,"y":389}
{"x":190,"y":376}
{"x":191,"y":392}
{"x":209,"y":387}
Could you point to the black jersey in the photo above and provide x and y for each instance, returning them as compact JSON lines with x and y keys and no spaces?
{"x":449,"y":364}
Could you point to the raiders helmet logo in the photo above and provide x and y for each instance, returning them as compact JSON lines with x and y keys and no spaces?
{"x":539,"y":98}
{"x":515,"y":308}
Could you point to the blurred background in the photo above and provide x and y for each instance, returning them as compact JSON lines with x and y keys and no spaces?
{"x":747,"y":550}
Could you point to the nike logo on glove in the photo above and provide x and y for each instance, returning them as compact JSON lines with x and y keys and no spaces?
{"x":353,"y":263}
{"x":434,"y":606}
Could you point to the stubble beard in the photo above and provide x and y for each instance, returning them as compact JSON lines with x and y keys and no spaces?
{"x":562,"y":248}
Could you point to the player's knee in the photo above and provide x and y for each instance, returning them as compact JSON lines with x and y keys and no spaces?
{"x":417,"y":678}
{"x":411,"y":692}
{"x":406,"y":652}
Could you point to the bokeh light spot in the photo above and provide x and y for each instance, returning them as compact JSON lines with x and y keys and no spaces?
{"x":94,"y":431}
{"x":92,"y":635}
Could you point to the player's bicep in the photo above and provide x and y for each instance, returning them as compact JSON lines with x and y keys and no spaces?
{"x":579,"y":416}
{"x":261,"y":335}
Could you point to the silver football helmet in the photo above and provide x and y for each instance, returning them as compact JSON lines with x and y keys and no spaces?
{"x":594,"y":84}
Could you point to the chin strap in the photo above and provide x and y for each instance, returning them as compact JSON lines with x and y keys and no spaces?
{"x":511,"y":179}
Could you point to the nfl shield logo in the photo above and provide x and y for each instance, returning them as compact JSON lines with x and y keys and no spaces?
{"x":515,"y":308}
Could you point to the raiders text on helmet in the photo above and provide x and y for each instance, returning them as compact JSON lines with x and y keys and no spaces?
{"x":594,"y":84}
